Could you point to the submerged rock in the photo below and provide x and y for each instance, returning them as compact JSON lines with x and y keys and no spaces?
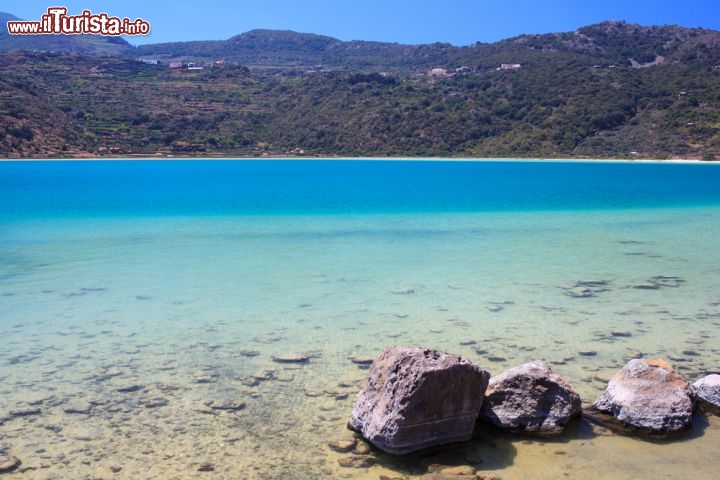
{"x":666,"y":281}
{"x":291,"y":358}
{"x":130,"y":388}
{"x":362,"y":448}
{"x":155,"y":402}
{"x":362,"y":362}
{"x":450,"y":476}
{"x":24,"y":412}
{"x":580,"y":292}
{"x":246,"y":353}
{"x":342,"y":445}
{"x":404,"y":291}
{"x":530,"y":398}
{"x":461,"y":470}
{"x":587,"y":288}
{"x":228,"y":405}
{"x":8,"y":463}
{"x":206,"y":377}
{"x":588,"y":353}
{"x":649,"y":397}
{"x":107,"y":374}
{"x":495,"y":359}
{"x":598,"y":284}
{"x":707,"y":390}
{"x":444,"y":476}
{"x":79,"y":407}
{"x":660,"y":281}
{"x":417,"y":398}
{"x":356,"y":461}
{"x":86,"y":434}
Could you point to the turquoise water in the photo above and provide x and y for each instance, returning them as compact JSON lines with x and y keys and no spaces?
{"x":185,"y":278}
{"x":203,"y":187}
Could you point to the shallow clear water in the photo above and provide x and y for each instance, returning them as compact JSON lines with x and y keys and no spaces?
{"x":180,"y":281}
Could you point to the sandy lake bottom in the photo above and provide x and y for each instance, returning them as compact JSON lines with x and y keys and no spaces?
{"x":144,"y":347}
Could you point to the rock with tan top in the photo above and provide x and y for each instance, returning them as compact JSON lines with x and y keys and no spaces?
{"x":649,"y":397}
{"x":531,"y":399}
{"x":418,"y":398}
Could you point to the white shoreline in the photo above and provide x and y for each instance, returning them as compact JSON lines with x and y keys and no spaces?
{"x":376,"y":159}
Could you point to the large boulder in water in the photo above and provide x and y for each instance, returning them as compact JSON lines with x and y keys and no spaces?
{"x":532,"y":399}
{"x":649,"y":397}
{"x":707,"y":390}
{"x":418,"y":398}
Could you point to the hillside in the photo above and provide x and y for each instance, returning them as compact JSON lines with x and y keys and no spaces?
{"x":284,"y":49}
{"x":611,"y":42}
{"x":612,"y":90}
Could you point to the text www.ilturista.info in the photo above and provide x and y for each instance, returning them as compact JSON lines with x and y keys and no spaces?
{"x":57,"y":21}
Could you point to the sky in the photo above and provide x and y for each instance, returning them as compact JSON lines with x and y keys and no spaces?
{"x":459,"y":22}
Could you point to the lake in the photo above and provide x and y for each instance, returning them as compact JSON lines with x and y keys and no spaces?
{"x":136,"y":297}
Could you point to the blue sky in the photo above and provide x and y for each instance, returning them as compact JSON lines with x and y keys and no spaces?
{"x":460,"y":22}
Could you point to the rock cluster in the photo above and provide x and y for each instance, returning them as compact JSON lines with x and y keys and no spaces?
{"x":419,"y":398}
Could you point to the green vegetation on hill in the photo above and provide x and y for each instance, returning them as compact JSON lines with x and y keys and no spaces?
{"x":606,"y":91}
{"x":285,"y":49}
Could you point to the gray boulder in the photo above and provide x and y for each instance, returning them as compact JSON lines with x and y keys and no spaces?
{"x":418,"y":398}
{"x":530,"y":399}
{"x":649,"y":397}
{"x":707,"y":390}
